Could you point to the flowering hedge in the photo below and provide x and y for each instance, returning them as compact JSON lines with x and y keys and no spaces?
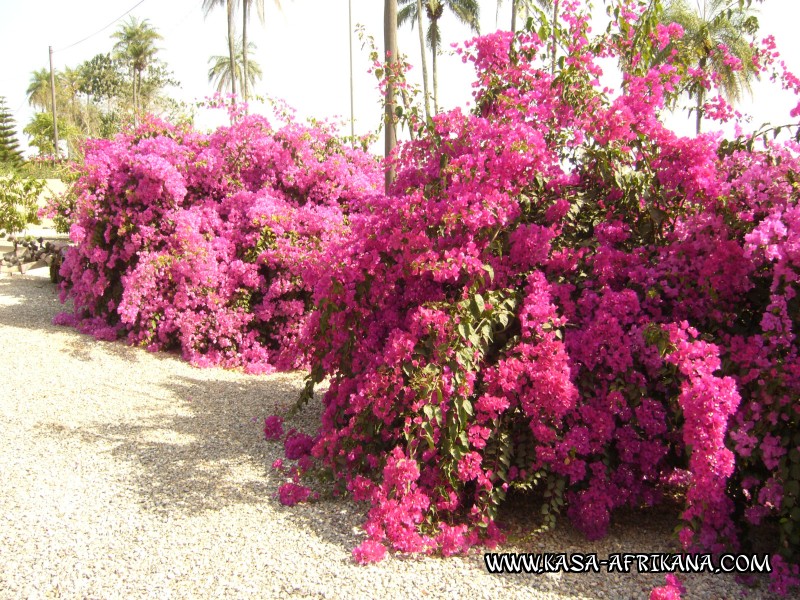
{"x":209,"y":242}
{"x":561,"y":294}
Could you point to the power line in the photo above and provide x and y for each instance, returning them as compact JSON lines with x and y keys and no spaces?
{"x":103,"y":29}
{"x":24,"y":100}
{"x":181,"y":22}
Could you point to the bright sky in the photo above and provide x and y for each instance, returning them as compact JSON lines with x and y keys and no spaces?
{"x":303,"y":52}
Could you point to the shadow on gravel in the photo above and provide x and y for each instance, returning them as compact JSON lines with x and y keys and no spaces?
{"x":206,"y":454}
{"x":209,"y":453}
{"x":28,"y":302}
{"x":32,"y":302}
{"x":81,"y":348}
{"x":226,"y":426}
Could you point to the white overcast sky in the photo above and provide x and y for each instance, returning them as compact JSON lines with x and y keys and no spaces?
{"x":303,"y":51}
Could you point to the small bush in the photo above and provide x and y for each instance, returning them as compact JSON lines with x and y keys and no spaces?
{"x":18,"y":202}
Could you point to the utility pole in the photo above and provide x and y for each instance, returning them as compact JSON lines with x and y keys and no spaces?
{"x":390,"y":46}
{"x":53,"y":100}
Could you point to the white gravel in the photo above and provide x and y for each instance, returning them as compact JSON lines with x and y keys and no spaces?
{"x":127,"y":474}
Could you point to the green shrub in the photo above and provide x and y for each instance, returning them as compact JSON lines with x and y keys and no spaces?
{"x":18,"y":202}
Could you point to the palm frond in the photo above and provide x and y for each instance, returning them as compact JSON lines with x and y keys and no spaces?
{"x":433,"y":36}
{"x":406,"y":14}
{"x":467,"y":11}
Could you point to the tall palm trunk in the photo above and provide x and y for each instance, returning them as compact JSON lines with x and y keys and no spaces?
{"x":434,"y":52}
{"x":553,"y":49}
{"x":701,"y":98}
{"x":699,"y":116}
{"x":232,"y":48}
{"x":424,"y":61}
{"x":352,"y":98}
{"x":245,"y":6}
{"x":513,"y":16}
{"x":390,"y":49}
{"x":133,"y":92}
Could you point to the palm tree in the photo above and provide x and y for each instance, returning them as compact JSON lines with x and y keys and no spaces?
{"x":71,"y":83}
{"x":39,"y":90}
{"x":418,"y":19}
{"x":518,"y":6}
{"x":208,"y":6}
{"x":707,"y":25}
{"x":467,"y":11}
{"x":136,"y":46}
{"x":220,"y":71}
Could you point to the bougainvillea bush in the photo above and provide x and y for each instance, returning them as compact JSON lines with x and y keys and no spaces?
{"x":208,"y":243}
{"x":561,"y":294}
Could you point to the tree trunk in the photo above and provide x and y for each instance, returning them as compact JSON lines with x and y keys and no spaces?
{"x":390,"y":48}
{"x":513,"y":16}
{"x":232,"y":49}
{"x":553,"y":49}
{"x":53,"y":102}
{"x":434,"y":51}
{"x":352,"y":100}
{"x":245,"y":5}
{"x":699,"y":116}
{"x":701,"y":97}
{"x":133,"y":73}
{"x":424,"y":61}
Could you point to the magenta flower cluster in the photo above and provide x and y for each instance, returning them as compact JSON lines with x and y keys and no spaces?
{"x":557,"y":294}
{"x":561,"y":294}
{"x":209,"y":243}
{"x":672,"y":590}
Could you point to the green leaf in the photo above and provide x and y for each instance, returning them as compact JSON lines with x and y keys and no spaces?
{"x":543,"y":33}
{"x":479,"y":302}
{"x":503,"y":318}
{"x":467,"y":405}
{"x":428,"y":429}
{"x":463,"y":411}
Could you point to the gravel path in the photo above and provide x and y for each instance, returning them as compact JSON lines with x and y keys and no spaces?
{"x":134,"y":475}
